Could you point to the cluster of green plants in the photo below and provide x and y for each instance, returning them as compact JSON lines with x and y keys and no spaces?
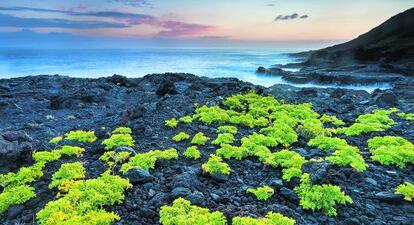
{"x":121,"y":136}
{"x":228,"y":152}
{"x":113,"y":158}
{"x":147,"y":160}
{"x":260,"y":139}
{"x":377,"y":120}
{"x":67,"y":172}
{"x":391,"y":150}
{"x":199,"y":139}
{"x":182,"y":212}
{"x":227,"y":129}
{"x":262,"y":193}
{"x":25,"y":175}
{"x":49,"y":156}
{"x":56,"y":140}
{"x":344,"y":155}
{"x":181,"y":136}
{"x":214,"y":114}
{"x":83,"y":203}
{"x":186,"y":119}
{"x":406,"y":189}
{"x":192,"y":152}
{"x":271,"y":218}
{"x":14,"y":196}
{"x":406,"y":116}
{"x":320,"y":197}
{"x":81,"y":136}
{"x":332,"y":120}
{"x":224,"y":138}
{"x":172,"y":123}
{"x":215,"y":165}
{"x":282,"y":132}
{"x":290,"y":161}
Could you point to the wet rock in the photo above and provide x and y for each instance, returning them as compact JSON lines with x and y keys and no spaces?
{"x":19,"y":136}
{"x":221,"y":178}
{"x":371,"y":181}
{"x":139,"y":176}
{"x":196,"y":198}
{"x":11,"y":152}
{"x":14,"y":211}
{"x":126,"y":149}
{"x":166,"y":87}
{"x":350,"y":221}
{"x":318,"y":170}
{"x":180,"y":192}
{"x":289,"y":194}
{"x":389,"y":197}
{"x":386,"y":99}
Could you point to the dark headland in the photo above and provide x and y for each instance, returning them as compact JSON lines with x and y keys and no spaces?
{"x":384,"y":54}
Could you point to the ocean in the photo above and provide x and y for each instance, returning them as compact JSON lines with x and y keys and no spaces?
{"x":93,"y":63}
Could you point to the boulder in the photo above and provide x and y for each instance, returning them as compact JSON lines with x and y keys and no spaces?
{"x":139,"y":176}
{"x":386,"y":99}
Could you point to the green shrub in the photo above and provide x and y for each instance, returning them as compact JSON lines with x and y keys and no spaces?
{"x":260,"y":139}
{"x":225,"y":138}
{"x":391,"y":150}
{"x":67,"y":172}
{"x":234,"y":102}
{"x":209,"y":115}
{"x":227,"y":129}
{"x":81,"y":136}
{"x":270,"y":219}
{"x":406,"y":189}
{"x":227,"y":151}
{"x":45,"y":156}
{"x":182,"y":212}
{"x":320,"y":197}
{"x":256,"y":150}
{"x":186,"y":119}
{"x":199,"y":139}
{"x":147,"y":160}
{"x":181,"y":136}
{"x":71,"y":150}
{"x":282,"y":133}
{"x":172,"y":123}
{"x":262,"y":193}
{"x":215,"y":165}
{"x":406,"y":116}
{"x":83,"y":204}
{"x":113,"y":158}
{"x":15,"y":196}
{"x":192,"y":152}
{"x":122,"y":130}
{"x":25,"y":175}
{"x":310,"y":128}
{"x":378,"y":120}
{"x":243,"y":120}
{"x":56,"y":140}
{"x":348,"y":156}
{"x":327,"y":143}
{"x":331,"y":119}
{"x":290,"y":161}
{"x":118,"y":140}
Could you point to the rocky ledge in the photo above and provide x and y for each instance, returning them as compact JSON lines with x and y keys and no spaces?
{"x":35,"y":109}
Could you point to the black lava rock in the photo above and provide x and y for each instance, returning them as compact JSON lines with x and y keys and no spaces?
{"x":139,"y":176}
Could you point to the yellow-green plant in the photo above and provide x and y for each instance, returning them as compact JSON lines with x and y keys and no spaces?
{"x":71,"y":150}
{"x":331,"y":119}
{"x":199,"y":139}
{"x":186,"y":119}
{"x":215,"y":165}
{"x":56,"y":140}
{"x":15,"y":196}
{"x":192,"y":152}
{"x":320,"y":197}
{"x":406,"y":116}
{"x":225,"y":138}
{"x":83,"y":204}
{"x":118,"y":140}
{"x":81,"y":136}
{"x":327,"y":143}
{"x":348,"y":156}
{"x":243,"y":120}
{"x":209,"y":115}
{"x":113,"y":158}
{"x":172,"y":123}
{"x":182,"y":212}
{"x":260,"y":139}
{"x":147,"y":160}
{"x":46,"y":156}
{"x":283,"y":133}
{"x":391,"y":150}
{"x":25,"y":175}
{"x":262,"y":193}
{"x":67,"y":172}
{"x":270,"y":219}
{"x":181,"y":136}
{"x":228,"y":152}
{"x":227,"y":129}
{"x":406,"y":189}
{"x":290,"y":161}
{"x":122,"y":130}
{"x":378,"y":120}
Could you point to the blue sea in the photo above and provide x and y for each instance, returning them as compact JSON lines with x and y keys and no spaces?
{"x":92,"y":63}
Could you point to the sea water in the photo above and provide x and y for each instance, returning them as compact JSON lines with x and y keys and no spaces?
{"x":93,"y":63}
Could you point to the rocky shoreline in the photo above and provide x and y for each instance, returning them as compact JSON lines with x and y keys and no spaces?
{"x":35,"y":109}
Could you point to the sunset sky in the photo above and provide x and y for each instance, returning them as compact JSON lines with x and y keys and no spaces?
{"x":212,"y":21}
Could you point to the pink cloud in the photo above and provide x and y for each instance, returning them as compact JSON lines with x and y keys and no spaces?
{"x":175,"y":29}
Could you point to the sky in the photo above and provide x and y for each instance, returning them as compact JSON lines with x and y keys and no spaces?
{"x":135,"y":23}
